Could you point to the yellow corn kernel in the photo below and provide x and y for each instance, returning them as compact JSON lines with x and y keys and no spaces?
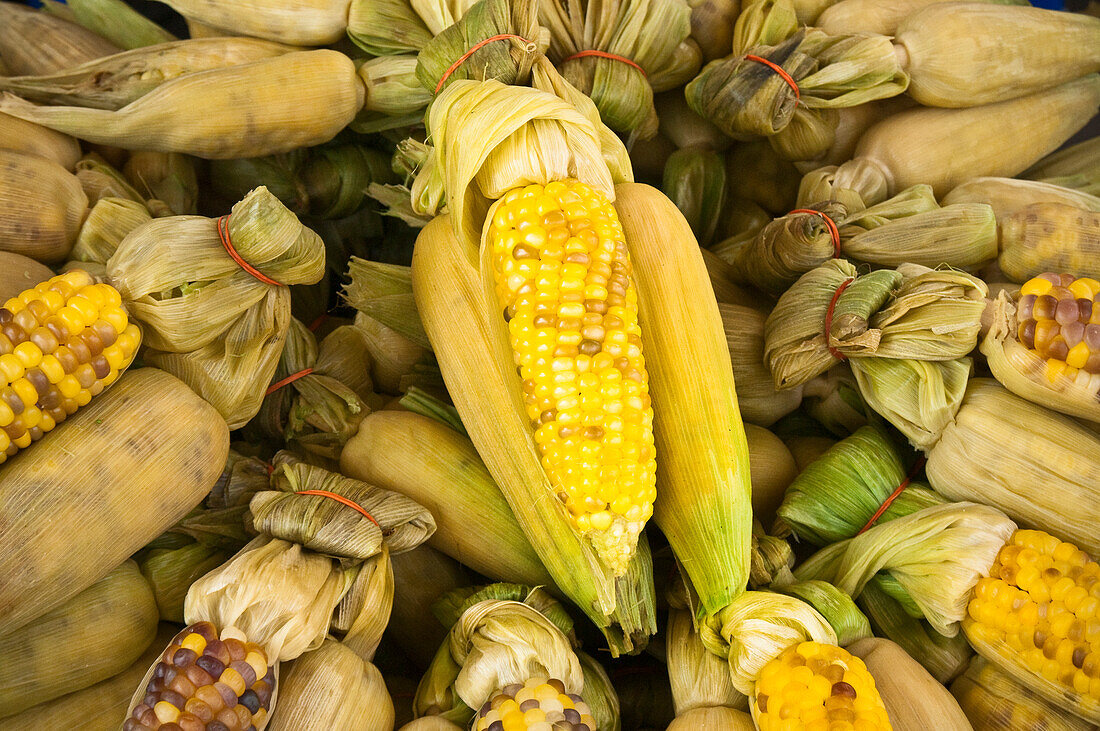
{"x":1084,"y":288}
{"x":1037,"y":286}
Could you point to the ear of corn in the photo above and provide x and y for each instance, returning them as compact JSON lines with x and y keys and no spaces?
{"x":28,"y":138}
{"x":18,"y":272}
{"x":114,"y":20}
{"x":868,"y":16}
{"x":695,"y":180}
{"x":183,"y":116}
{"x":420,"y":577}
{"x":34,"y":42}
{"x":1073,"y":167}
{"x":39,"y":195}
{"x":991,"y":699}
{"x":300,"y":22}
{"x":699,"y":678}
{"x":1050,"y":237}
{"x":89,"y":638}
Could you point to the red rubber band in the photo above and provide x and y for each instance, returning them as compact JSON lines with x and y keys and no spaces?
{"x":316,"y":324}
{"x":894,"y":495}
{"x":462,"y":59}
{"x":829,"y":318}
{"x":834,"y":232}
{"x":287,"y":381}
{"x":782,"y":74}
{"x":223,"y":234}
{"x":605,"y":54}
{"x":343,"y":501}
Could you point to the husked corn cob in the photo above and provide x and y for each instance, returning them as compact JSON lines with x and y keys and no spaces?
{"x":817,"y":687}
{"x":563,"y":279}
{"x":1059,"y":318}
{"x":1037,"y":616}
{"x":993,"y":701}
{"x":206,"y":683}
{"x":539,"y":704}
{"x":61,"y":343}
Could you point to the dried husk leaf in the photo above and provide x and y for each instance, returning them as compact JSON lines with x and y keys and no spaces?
{"x":34,"y":42}
{"x":384,"y":292}
{"x":699,"y":678}
{"x":851,"y":123}
{"x":388,"y":27}
{"x":114,"y":81}
{"x":914,"y":699}
{"x":44,"y":206}
{"x":1036,"y":50}
{"x":206,"y":319}
{"x":989,"y":697}
{"x":274,"y":105}
{"x":1074,"y":166}
{"x":326,"y":526}
{"x":94,"y":635}
{"x":364,"y":612}
{"x":396,"y":361}
{"x":28,"y":138}
{"x":600,"y":694}
{"x":395,"y":97}
{"x":332,"y":688}
{"x":1000,"y":446}
{"x":114,"y":20}
{"x":100,"y":179}
{"x":937,"y":554}
{"x":1008,"y":196}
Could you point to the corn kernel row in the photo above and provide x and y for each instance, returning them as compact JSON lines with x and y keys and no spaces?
{"x":540,"y":704}
{"x":1058,"y":317}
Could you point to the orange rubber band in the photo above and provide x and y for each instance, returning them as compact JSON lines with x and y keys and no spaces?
{"x":829,"y":318}
{"x":316,"y":324}
{"x":343,"y":501}
{"x":530,"y":48}
{"x":834,"y":232}
{"x":894,"y":495}
{"x":223,"y":234}
{"x":782,"y":74}
{"x":605,"y":54}
{"x":287,"y":381}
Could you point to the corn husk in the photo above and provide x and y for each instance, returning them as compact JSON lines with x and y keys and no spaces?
{"x":937,"y":554}
{"x":100,"y":180}
{"x":695,"y":180}
{"x":835,"y":402}
{"x":712,"y":26}
{"x":912,"y":312}
{"x":224,"y":331}
{"x":743,"y":97}
{"x":168,"y":177}
{"x":683,"y":127}
{"x":109,"y":221}
{"x":758,"y":626}
{"x":991,"y":699}
{"x":493,"y":644}
{"x":945,"y":147}
{"x":384,"y":292}
{"x":713,"y":719}
{"x":851,"y":123}
{"x":114,"y":20}
{"x":1050,"y":49}
{"x":721,"y":281}
{"x":943,"y":657}
{"x":395,"y":97}
{"x":27,"y":138}
{"x":651,"y":33}
{"x":34,"y":42}
{"x":600,"y":694}
{"x":421,"y":576}
{"x":1008,"y":196}
{"x":757,"y":174}
{"x":114,"y":81}
{"x":394,"y":27}
{"x":318,"y":95}
{"x":839,"y":609}
{"x":914,"y":700}
{"x":19,"y":273}
{"x":396,"y":361}
{"x":1023,"y":372}
{"x":806,"y":449}
{"x":856,"y":184}
{"x":99,"y":707}
{"x":430,"y":723}
{"x":699,"y":678}
{"x":1000,"y":446}
{"x":863,"y":16}
{"x":414,"y":455}
{"x":171,"y":571}
{"x":1074,"y":167}
{"x":44,"y":207}
{"x":742,"y":218}
{"x":91,"y":637}
{"x":772,"y":468}
{"x":61,"y":500}
{"x":323,"y":525}
{"x":299,"y":22}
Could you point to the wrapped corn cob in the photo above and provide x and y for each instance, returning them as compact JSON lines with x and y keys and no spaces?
{"x":420,"y":577}
{"x":168,"y":177}
{"x":1073,"y":167}
{"x":89,"y":638}
{"x":861,"y":16}
{"x":223,"y":329}
{"x":945,"y":147}
{"x":44,"y":207}
{"x":957,"y":562}
{"x":395,"y":97}
{"x":97,"y":707}
{"x":27,"y":138}
{"x":701,"y":685}
{"x":54,"y":503}
{"x":100,"y":180}
{"x":114,"y":20}
{"x":301,"y":22}
{"x":18,"y":273}
{"x":992,"y":700}
{"x":108,"y":222}
{"x":318,"y":94}
{"x":712,"y":26}
{"x":570,"y":144}
{"x":114,"y":81}
{"x":33,"y":42}
{"x":1041,"y":342}
{"x":695,"y":180}
{"x":851,"y":123}
{"x":913,"y":699}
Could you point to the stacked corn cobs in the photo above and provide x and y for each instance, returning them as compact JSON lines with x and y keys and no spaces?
{"x":815,"y":418}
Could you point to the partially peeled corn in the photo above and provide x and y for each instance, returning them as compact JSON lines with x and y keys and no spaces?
{"x":1059,"y":318}
{"x":539,"y":704}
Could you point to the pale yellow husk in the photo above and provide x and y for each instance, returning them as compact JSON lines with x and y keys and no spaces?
{"x":299,"y":22}
{"x":34,"y":42}
{"x":875,"y":16}
{"x":699,"y":678}
{"x":760,"y":402}
{"x":44,"y":206}
{"x":713,"y":719}
{"x":28,"y":138}
{"x":19,"y":273}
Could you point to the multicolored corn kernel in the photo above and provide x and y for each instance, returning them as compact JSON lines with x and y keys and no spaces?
{"x":1042,"y":599}
{"x":540,"y":704}
{"x":1058,"y":318}
{"x":565,"y":285}
{"x":204,"y":682}
{"x":61,"y":344}
{"x":818,"y":687}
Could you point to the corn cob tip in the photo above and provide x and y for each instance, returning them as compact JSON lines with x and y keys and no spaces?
{"x":565,"y":285}
{"x":203,"y":682}
{"x":540,"y":704}
{"x":817,"y":687}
